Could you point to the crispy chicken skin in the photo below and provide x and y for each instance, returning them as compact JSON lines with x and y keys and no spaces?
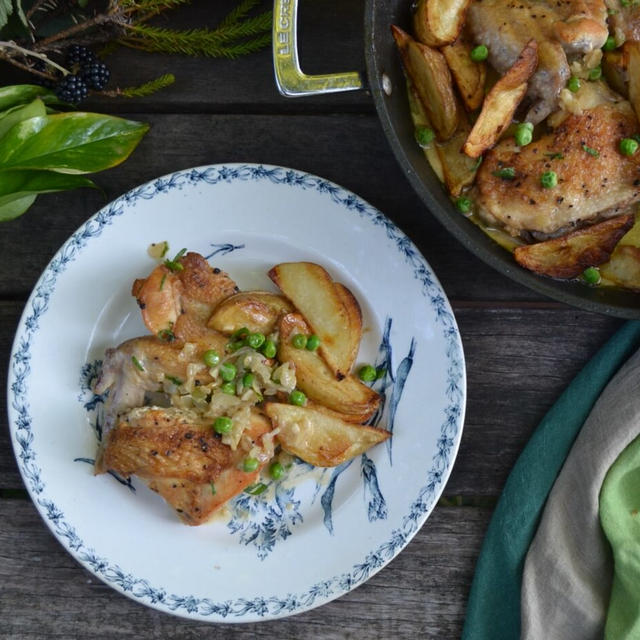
{"x":594,"y":179}
{"x":180,"y":457}
{"x":182,"y":301}
{"x":141,"y":364}
{"x":560,"y":28}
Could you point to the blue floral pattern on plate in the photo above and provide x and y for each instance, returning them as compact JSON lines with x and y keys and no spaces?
{"x":264,"y":606}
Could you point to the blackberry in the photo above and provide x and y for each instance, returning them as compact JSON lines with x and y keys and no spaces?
{"x":95,"y":74}
{"x":72,"y":89}
{"x":77,"y":54}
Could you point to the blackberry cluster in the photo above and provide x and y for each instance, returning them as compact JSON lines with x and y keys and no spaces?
{"x":96,"y":75}
{"x":88,"y":73}
{"x":72,"y":88}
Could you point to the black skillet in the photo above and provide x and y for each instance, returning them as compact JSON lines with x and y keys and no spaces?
{"x":387,"y":85}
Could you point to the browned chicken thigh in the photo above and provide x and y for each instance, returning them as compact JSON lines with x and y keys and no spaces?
{"x":594,"y":179}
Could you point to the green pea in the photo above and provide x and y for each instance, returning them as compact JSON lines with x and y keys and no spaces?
{"x":524,"y":134}
{"x":298,"y":398}
{"x":464,"y":204}
{"x":222,"y":425}
{"x":234,"y":345}
{"x":313,"y":342}
{"x":299,"y":341}
{"x":211,"y":358}
{"x":269,"y":348}
{"x":247,"y":379}
{"x":229,"y":388}
{"x":595,"y":73}
{"x":228,"y":371}
{"x":424,"y":136}
{"x":255,"y":340}
{"x":610,"y":44}
{"x":573,"y":84}
{"x":240,"y":334}
{"x":250,"y":464}
{"x":479,"y":53}
{"x":549,"y":179}
{"x":628,"y":146}
{"x":591,"y":275}
{"x":276,"y":470}
{"x":367,"y":373}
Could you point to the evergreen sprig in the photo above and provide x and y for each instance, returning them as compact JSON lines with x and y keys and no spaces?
{"x":243,"y":30}
{"x":148,"y":88}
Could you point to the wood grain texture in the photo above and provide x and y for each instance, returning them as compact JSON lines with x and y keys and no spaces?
{"x":421,"y":593}
{"x":521,"y":349}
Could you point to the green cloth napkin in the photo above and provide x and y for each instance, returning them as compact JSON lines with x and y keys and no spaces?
{"x":620,"y":519}
{"x":493,"y":609}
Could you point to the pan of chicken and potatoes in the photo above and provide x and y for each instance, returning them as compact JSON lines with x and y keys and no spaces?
{"x":517,"y":124}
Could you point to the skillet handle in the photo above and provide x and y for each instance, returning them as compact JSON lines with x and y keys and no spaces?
{"x":290,"y":79}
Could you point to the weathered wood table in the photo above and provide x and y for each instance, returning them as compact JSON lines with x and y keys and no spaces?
{"x":521,"y":350}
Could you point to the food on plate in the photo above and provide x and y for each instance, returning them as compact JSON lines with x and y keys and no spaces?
{"x":541,"y":148}
{"x":230,"y":380}
{"x":318,"y":438}
{"x":356,"y":401}
{"x":330,"y":309}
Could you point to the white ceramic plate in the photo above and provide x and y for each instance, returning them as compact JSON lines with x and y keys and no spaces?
{"x":316,"y":534}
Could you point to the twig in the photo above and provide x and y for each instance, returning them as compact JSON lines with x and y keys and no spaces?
{"x":28,"y":53}
{"x":97,"y":21}
{"x":34,"y":7}
{"x":24,"y":67}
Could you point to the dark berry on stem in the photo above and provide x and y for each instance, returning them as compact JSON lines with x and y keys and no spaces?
{"x":77,"y":54}
{"x":96,"y":75}
{"x":72,"y":89}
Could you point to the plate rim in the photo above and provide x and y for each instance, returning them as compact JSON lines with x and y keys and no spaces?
{"x":260,"y":608}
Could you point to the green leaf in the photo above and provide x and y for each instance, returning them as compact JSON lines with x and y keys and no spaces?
{"x":14,"y":115}
{"x":15,"y":207}
{"x":18,"y":94}
{"x":70,"y":142}
{"x":6,"y":9}
{"x":18,"y":189}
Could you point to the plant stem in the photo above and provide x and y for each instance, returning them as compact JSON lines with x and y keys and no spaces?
{"x":34,"y":7}
{"x":97,"y":21}
{"x":28,"y":53}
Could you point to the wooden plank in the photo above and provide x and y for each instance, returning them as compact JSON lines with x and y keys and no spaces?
{"x":519,"y":359}
{"x":331,"y":39}
{"x":339,"y":146}
{"x":421,"y":593}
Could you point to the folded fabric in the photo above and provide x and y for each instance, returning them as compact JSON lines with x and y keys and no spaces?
{"x":620,"y":517}
{"x":493,"y":610}
{"x":568,"y":570}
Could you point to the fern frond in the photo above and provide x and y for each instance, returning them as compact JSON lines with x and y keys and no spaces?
{"x":148,"y":88}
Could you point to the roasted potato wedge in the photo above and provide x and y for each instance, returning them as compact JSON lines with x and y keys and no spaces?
{"x":568,"y":256}
{"x":469,"y":76}
{"x":320,"y":439}
{"x":614,"y":69}
{"x":623,"y":269}
{"x":354,"y":314}
{"x":458,"y":169}
{"x":439,"y":22}
{"x":347,"y":396}
{"x":311,"y":290}
{"x":631,"y":54}
{"x":428,"y":71}
{"x":501,"y":102}
{"x":258,"y":311}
